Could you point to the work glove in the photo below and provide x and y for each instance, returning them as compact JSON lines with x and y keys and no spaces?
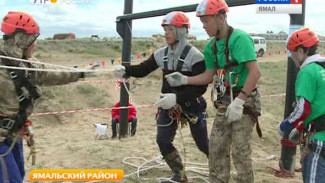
{"x":235,"y":110}
{"x":3,"y":134}
{"x":296,"y":133}
{"x":119,"y":71}
{"x":176,"y":79}
{"x":167,"y":101}
{"x":284,"y":126}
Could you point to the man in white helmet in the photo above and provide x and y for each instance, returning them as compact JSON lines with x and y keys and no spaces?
{"x":230,"y":53}
{"x":179,"y":56}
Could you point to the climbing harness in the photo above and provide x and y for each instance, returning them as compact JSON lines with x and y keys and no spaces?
{"x":181,"y":59}
{"x":21,"y":80}
{"x":219,"y":88}
{"x":220,"y":83}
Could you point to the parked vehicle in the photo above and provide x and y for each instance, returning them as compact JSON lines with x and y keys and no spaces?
{"x":260,"y":45}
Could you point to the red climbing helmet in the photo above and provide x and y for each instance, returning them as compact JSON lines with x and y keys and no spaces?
{"x":304,"y":37}
{"x":176,"y":18}
{"x":211,"y":7}
{"x":19,"y":20}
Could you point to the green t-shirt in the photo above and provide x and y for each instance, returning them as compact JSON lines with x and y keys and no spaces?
{"x":241,"y":50}
{"x":310,"y":84}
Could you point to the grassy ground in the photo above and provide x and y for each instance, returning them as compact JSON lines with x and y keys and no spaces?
{"x":67,"y":141}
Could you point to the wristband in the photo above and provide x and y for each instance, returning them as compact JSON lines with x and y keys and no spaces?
{"x":244,"y":93}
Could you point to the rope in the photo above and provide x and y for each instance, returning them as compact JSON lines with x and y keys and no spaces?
{"x":67,"y":69}
{"x":36,"y":62}
{"x":184,"y":149}
{"x":38,"y":69}
{"x":126,"y":88}
{"x":158,"y":162}
{"x":54,"y":70}
{"x":85,"y":110}
{"x":99,"y":109}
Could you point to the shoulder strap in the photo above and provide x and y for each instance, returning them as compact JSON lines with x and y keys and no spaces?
{"x":228,"y":61}
{"x":20,"y":80}
{"x":230,"y":31}
{"x":215,"y":49}
{"x":321,"y":64}
{"x":165,"y":59}
{"x":181,"y":59}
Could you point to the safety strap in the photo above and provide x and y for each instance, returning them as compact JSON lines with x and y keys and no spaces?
{"x":230,"y":31}
{"x":215,"y":50}
{"x":165,"y":59}
{"x":21,"y":81}
{"x":254,"y":116}
{"x":181,"y":59}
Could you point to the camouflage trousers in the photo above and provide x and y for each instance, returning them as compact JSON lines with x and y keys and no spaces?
{"x":233,"y":136}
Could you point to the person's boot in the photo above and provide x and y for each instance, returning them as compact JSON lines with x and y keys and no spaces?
{"x":114,"y":130}
{"x":113,"y":136}
{"x":133,"y":126}
{"x":174,"y":161}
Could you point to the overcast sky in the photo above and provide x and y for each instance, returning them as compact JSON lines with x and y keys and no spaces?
{"x":98,"y":17}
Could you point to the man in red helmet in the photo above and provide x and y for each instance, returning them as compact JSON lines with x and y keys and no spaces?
{"x":186,"y":101}
{"x":308,"y":117}
{"x":19,"y":91}
{"x":230,"y":53}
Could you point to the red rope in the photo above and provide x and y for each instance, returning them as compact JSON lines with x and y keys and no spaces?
{"x":281,"y":173}
{"x":175,"y":113}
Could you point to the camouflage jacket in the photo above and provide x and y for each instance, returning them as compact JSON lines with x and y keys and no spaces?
{"x":9,"y":104}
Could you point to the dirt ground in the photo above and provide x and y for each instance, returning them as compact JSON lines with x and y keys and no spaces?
{"x":68,"y":141}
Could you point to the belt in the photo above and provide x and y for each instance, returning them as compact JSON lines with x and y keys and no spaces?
{"x":317,"y":149}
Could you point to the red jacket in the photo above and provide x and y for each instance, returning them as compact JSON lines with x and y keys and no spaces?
{"x":116,"y":112}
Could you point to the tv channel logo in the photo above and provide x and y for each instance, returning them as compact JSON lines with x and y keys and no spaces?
{"x":43,"y":1}
{"x":278,"y":6}
{"x":48,"y":2}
